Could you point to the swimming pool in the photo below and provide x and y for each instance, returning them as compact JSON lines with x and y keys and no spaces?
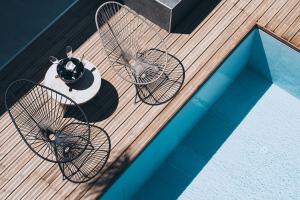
{"x":237,"y":138}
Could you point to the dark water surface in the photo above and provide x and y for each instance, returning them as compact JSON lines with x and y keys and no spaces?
{"x":22,"y":20}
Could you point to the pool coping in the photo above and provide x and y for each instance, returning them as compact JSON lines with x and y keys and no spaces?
{"x":278,"y":38}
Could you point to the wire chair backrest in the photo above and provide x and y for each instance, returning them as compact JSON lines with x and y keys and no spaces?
{"x":44,"y":121}
{"x":126,"y":37}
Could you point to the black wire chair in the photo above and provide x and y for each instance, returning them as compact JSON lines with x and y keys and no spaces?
{"x":42,"y":119}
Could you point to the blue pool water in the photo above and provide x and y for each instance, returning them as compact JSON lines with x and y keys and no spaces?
{"x":237,"y":138}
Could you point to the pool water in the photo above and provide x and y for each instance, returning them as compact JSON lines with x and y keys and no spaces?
{"x":237,"y":138}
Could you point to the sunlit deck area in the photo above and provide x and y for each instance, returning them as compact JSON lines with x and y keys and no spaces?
{"x":200,"y":45}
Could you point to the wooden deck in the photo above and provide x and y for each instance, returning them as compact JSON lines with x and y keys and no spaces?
{"x":132,"y":126}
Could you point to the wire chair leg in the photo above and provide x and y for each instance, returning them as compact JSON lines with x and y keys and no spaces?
{"x":90,"y":146}
{"x":166,"y":77}
{"x":137,"y":96}
{"x":63,"y":175}
{"x":137,"y":99}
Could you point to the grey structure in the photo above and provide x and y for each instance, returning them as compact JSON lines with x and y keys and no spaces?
{"x":165,"y":13}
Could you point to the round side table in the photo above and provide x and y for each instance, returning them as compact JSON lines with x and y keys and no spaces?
{"x":82,"y":91}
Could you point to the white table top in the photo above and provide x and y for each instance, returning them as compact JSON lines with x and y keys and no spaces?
{"x":83,"y":90}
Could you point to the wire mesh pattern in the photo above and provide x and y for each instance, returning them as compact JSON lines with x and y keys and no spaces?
{"x":87,"y":166}
{"x":167,"y":86}
{"x":122,"y":32}
{"x":39,"y":116}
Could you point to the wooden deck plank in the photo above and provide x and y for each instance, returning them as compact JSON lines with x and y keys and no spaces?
{"x":292,"y":30}
{"x":132,"y":126}
{"x":271,"y":12}
{"x":216,"y":31}
{"x":281,"y":15}
{"x":296,"y":39}
{"x":287,"y":22}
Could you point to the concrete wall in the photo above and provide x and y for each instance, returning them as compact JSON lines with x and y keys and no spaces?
{"x":165,"y":13}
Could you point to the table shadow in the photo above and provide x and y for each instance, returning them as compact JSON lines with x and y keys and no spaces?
{"x":102,"y":106}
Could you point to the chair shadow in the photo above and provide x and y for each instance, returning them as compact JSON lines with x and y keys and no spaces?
{"x":103,"y":181}
{"x":102,"y":106}
{"x":168,"y":85}
{"x":188,"y":24}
